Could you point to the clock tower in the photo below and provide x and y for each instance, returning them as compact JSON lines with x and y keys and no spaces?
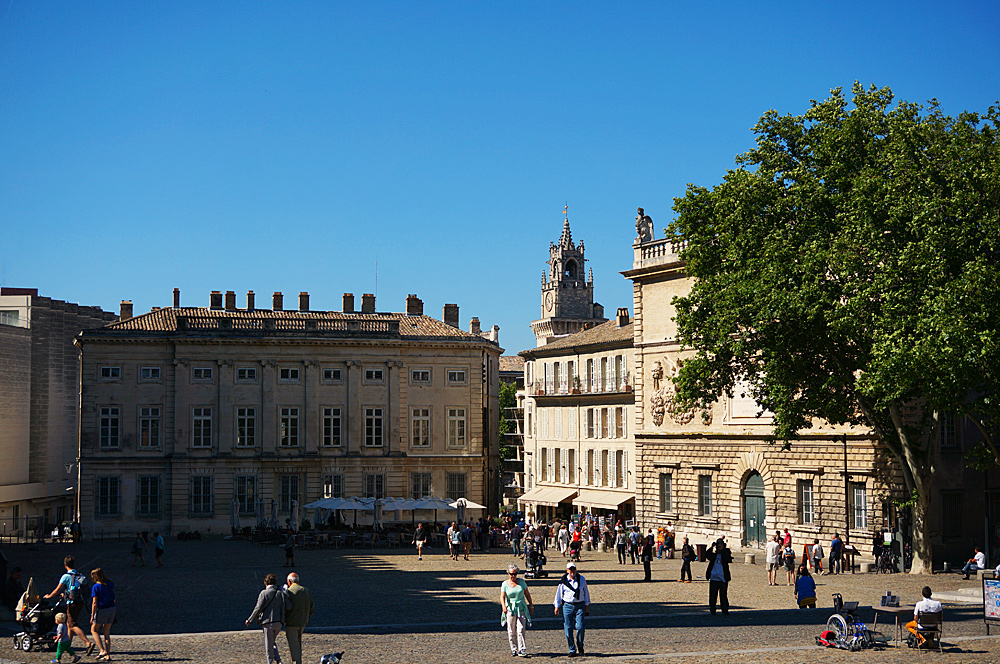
{"x":567,"y":292}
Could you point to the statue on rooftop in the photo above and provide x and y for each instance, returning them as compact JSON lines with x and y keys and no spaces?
{"x":643,"y":226}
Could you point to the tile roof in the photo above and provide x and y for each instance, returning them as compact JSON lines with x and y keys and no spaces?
{"x":265,"y":322}
{"x":605,"y":333}
{"x":511,"y":363}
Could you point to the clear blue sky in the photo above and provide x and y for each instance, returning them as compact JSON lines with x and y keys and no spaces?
{"x":287,"y":146}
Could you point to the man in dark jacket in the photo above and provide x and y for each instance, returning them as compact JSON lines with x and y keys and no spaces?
{"x":300,"y":610}
{"x":719,"y":556}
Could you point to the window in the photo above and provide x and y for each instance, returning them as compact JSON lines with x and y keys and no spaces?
{"x":620,"y":468}
{"x":456,"y":376}
{"x":604,"y":423}
{"x":420,"y":485}
{"x":543,"y":423}
{"x":591,"y":377}
{"x":331,"y":427}
{"x":373,"y":375}
{"x":571,"y":466}
{"x":10,"y":317}
{"x":604,"y":375}
{"x":246,"y":427}
{"x":590,"y":423}
{"x":543,"y":464}
{"x":110,"y":428}
{"x":420,"y":376}
{"x":201,"y":495}
{"x":530,"y":431}
{"x":111,"y":373}
{"x":201,"y":427}
{"x":245,"y":490}
{"x":288,"y":490}
{"x":569,"y":376}
{"x":149,"y":373}
{"x":332,"y":375}
{"x":807,"y":509}
{"x":604,"y":468}
{"x":246,"y":374}
{"x":374,"y":485}
{"x":202,"y":374}
{"x":558,"y":417}
{"x":949,"y":432}
{"x":373,"y":427}
{"x":456,"y":486}
{"x":420,"y":426}
{"x":619,"y":372}
{"x":557,"y":462}
{"x":149,"y":427}
{"x":859,"y":506}
{"x":666,"y":497}
{"x":456,"y":427}
{"x":109,"y":497}
{"x":590,"y":468}
{"x":705,"y":495}
{"x":288,"y":375}
{"x":620,"y":422}
{"x":147,"y":499}
{"x":333,"y":485}
{"x":560,"y":387}
{"x":288,"y":436}
{"x":952,"y":511}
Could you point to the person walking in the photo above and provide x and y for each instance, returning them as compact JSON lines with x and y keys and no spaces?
{"x":573,"y":600}
{"x":668,"y":543}
{"x":454,"y":540}
{"x":70,"y":586}
{"x":517,"y":609}
{"x":646,"y":553}
{"x":269,"y":613}
{"x":817,"y":557}
{"x":290,"y":549}
{"x":633,"y":544}
{"x":836,"y":553}
{"x":300,"y":610}
{"x":515,"y":539}
{"x":139,"y":551}
{"x":718,"y":576}
{"x":687,"y":557}
{"x":64,"y":640}
{"x":420,"y":539}
{"x":621,"y":542}
{"x":772,"y":558}
{"x":788,"y":558}
{"x":102,"y":612}
{"x":158,"y":548}
{"x":563,"y":539}
{"x":467,"y":537}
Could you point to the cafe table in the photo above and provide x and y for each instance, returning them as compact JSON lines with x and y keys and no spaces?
{"x":896,"y":612}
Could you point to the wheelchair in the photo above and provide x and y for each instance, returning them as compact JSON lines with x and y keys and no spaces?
{"x":851,"y":632}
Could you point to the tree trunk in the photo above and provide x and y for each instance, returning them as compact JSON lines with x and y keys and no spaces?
{"x":922,"y":552}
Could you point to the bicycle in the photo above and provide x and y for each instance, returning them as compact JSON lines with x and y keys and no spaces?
{"x":850,"y":630}
{"x":887,"y":563}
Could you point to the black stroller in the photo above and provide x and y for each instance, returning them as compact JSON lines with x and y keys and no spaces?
{"x":535,"y":561}
{"x":574,"y":550}
{"x":38,"y":623}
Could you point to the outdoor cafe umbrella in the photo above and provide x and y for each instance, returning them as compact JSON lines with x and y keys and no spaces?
{"x":234,"y":515}
{"x":295,"y":516}
{"x":261,"y":513}
{"x":273,"y":523}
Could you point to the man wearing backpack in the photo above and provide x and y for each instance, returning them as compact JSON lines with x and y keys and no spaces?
{"x":72,"y":588}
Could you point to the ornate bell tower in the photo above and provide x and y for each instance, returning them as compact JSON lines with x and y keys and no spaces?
{"x":567,"y":292}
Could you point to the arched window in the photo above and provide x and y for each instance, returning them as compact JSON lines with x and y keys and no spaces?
{"x":570,"y":271}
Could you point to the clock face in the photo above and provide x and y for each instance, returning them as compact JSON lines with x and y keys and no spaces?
{"x":548,"y":301}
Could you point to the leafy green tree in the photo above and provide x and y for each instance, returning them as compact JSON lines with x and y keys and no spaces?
{"x":847,"y":270}
{"x":508,"y":399}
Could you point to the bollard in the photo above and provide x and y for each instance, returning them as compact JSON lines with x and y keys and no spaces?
{"x":750,"y":559}
{"x":587,"y":546}
{"x":947,"y":567}
{"x":869,"y":568}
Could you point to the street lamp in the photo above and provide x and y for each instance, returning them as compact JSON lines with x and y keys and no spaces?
{"x":847,"y":506}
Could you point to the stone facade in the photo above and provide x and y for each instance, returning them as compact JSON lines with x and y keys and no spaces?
{"x":39,"y":381}
{"x":185,"y":409}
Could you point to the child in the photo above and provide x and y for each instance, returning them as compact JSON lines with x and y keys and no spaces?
{"x":63,"y":640}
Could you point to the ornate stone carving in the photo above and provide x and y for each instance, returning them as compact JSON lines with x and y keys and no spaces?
{"x":643,"y":226}
{"x":663,"y":400}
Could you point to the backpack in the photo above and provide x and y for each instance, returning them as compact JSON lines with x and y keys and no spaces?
{"x":77,"y":586}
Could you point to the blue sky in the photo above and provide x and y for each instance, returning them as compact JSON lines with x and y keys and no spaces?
{"x":289,"y":146}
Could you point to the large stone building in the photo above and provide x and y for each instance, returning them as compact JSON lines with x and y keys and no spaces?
{"x":187,"y":408}
{"x":39,"y":407}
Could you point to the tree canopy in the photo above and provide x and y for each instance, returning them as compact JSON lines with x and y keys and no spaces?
{"x":849,"y":270}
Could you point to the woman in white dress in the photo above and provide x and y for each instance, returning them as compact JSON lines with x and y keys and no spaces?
{"x":563,"y":538}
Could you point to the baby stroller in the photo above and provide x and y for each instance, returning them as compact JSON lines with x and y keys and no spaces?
{"x":574,"y":550}
{"x":38,"y":622}
{"x":535,"y":561}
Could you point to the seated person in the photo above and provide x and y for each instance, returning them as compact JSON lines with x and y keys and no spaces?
{"x":12,"y":589}
{"x":805,"y":589}
{"x":925,"y":605}
{"x":976,"y":563}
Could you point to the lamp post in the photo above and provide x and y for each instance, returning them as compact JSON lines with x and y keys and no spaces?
{"x":847,"y":506}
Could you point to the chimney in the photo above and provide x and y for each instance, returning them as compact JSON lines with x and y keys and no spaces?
{"x":367,"y":303}
{"x":450,"y":314}
{"x":474,"y":326}
{"x":414,"y":306}
{"x":177,"y":298}
{"x":622,"y":316}
{"x":278,"y":301}
{"x":348,"y":303}
{"x":230,"y":300}
{"x":303,"y":301}
{"x":250,"y":300}
{"x":126,"y":311}
{"x":215,"y":300}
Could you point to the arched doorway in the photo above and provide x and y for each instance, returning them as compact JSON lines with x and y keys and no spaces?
{"x":754,"y":529}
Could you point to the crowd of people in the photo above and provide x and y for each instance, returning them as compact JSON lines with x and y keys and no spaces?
{"x":77,"y":594}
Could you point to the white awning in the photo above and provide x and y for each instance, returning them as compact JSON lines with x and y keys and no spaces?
{"x":548,"y":495}
{"x":602,"y":499}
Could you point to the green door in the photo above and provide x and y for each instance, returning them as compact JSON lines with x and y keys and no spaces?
{"x":754,"y":529}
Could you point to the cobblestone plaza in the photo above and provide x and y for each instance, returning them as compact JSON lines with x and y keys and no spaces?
{"x":386,"y":606}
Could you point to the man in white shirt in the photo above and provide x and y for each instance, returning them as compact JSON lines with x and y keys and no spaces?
{"x":573,"y":599}
{"x":976,"y":563}
{"x":925,"y":605}
{"x":772,"y":552}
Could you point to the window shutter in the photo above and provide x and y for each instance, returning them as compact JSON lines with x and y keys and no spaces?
{"x":624,"y":470}
{"x":612,"y":472}
{"x":586,"y":468}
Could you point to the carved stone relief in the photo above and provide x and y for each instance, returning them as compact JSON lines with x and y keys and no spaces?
{"x":663,"y":400}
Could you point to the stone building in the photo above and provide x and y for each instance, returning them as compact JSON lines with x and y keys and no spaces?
{"x":715,"y":473}
{"x":39,"y":407}
{"x":188,"y":408}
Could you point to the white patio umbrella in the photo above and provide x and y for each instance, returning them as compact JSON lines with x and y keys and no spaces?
{"x":295,"y":516}
{"x":261,"y":513}
{"x":273,"y":523}
{"x":234,"y":515}
{"x":377,"y":515}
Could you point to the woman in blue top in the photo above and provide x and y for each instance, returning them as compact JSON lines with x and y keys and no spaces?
{"x":102,"y":612}
{"x":805,"y":589}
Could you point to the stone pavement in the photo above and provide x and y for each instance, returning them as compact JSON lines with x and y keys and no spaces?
{"x":385,"y":606}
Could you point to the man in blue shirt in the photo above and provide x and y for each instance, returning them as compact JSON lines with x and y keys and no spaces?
{"x":573,"y":599}
{"x":71,"y":588}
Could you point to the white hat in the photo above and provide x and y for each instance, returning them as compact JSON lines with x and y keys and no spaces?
{"x":571,"y":564}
